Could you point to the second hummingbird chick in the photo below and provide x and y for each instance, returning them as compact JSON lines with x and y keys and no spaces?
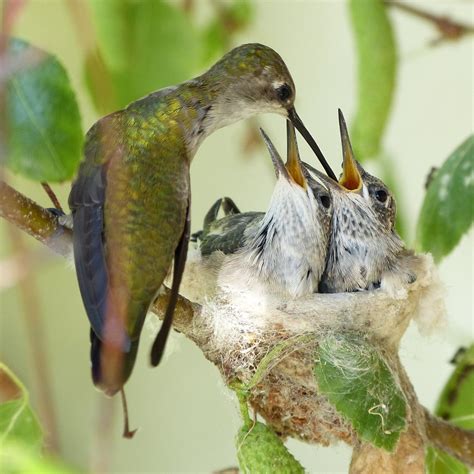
{"x":364,"y":247}
{"x":284,"y":248}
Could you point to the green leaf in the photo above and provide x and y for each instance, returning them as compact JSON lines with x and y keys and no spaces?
{"x":357,"y":381}
{"x":455,"y":404}
{"x":377,"y":68}
{"x":145,"y":46}
{"x":18,"y":458}
{"x":260,"y":450}
{"x":447,"y":211}
{"x":18,"y":423}
{"x":438,"y":462}
{"x":44,"y":135}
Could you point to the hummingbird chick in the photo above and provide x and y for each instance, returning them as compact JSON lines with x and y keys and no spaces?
{"x":364,"y":247}
{"x":130,"y":200}
{"x":285,"y":248}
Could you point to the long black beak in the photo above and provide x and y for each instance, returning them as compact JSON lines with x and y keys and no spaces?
{"x":296,"y":121}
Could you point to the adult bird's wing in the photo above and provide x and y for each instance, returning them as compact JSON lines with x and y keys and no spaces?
{"x":87,"y":201}
{"x":87,"y":204}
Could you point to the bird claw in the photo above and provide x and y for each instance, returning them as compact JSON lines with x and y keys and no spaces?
{"x":56,"y":212}
{"x":66,"y":221}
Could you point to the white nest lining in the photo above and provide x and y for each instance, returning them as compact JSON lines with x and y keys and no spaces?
{"x":238,"y":316}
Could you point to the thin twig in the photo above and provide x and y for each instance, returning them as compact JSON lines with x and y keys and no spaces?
{"x":52,"y":196}
{"x":37,"y":345}
{"x":449,"y":29}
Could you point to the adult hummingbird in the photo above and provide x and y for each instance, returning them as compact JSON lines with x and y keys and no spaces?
{"x":285,"y":247}
{"x":363,"y":244}
{"x":130,"y":201}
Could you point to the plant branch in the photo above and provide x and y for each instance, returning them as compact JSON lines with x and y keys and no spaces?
{"x":449,"y":29}
{"x":33,"y":219}
{"x":457,"y":442}
{"x":44,"y":226}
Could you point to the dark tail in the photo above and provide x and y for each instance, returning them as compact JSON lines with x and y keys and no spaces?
{"x":111,"y":367}
{"x":180,"y":255}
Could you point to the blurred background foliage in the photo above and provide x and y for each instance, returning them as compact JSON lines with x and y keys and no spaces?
{"x":144,"y":46}
{"x":131,"y":48}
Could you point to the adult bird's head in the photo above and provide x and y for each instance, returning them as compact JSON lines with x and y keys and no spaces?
{"x":252,"y":79}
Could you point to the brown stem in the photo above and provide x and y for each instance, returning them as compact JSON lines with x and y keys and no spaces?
{"x":37,"y":346}
{"x":457,"y":442}
{"x":34,"y":220}
{"x":228,"y":22}
{"x":188,"y":6}
{"x":448,"y":28}
{"x":51,"y":194}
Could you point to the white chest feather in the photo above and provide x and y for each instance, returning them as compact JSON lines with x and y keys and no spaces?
{"x":287,"y":252}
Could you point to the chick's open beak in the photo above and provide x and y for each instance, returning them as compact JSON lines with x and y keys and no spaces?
{"x":297,"y":122}
{"x":293,"y":162}
{"x":351,"y":178}
{"x":278,"y":164}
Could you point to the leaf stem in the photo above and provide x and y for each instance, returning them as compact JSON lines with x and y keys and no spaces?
{"x":449,"y":29}
{"x":52,"y":196}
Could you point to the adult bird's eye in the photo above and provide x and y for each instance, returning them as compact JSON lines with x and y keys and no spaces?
{"x":284,"y":92}
{"x":381,"y":195}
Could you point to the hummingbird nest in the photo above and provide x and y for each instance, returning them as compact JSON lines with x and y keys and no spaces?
{"x":238,"y":327}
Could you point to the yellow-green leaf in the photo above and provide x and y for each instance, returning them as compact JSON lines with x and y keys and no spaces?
{"x":260,"y":450}
{"x":18,"y":458}
{"x":377,"y":68}
{"x":18,"y":423}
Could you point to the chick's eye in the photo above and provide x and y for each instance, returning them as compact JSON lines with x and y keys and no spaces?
{"x":284,"y":92}
{"x":381,"y":195}
{"x":325,"y":200}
